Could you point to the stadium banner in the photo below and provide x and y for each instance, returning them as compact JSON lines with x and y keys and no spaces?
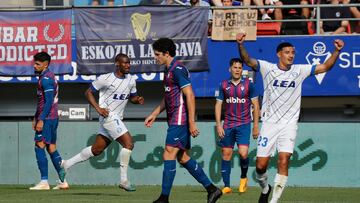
{"x":101,"y":33}
{"x":228,"y":22}
{"x":25,"y":33}
{"x":320,"y":152}
{"x":342,"y":80}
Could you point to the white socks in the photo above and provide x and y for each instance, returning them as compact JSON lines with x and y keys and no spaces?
{"x":262,"y":180}
{"x":124,"y":163}
{"x":84,"y":155}
{"x":279,"y":185}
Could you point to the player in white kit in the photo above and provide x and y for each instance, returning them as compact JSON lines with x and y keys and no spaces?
{"x":115,"y":89}
{"x":280,"y":109}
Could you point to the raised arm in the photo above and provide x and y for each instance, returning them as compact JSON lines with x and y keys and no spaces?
{"x":321,"y":68}
{"x":251,"y":62}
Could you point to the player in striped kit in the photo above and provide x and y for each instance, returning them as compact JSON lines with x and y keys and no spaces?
{"x":115,"y":89}
{"x":238,"y":94}
{"x":45,"y":122}
{"x":280,"y":109}
{"x":179,"y":102}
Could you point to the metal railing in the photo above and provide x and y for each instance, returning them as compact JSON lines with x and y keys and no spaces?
{"x":316,"y":7}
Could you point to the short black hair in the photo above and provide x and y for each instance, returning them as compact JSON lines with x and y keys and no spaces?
{"x":236,"y":60}
{"x":119,"y":56}
{"x":282,"y":45}
{"x":42,"y":56}
{"x":165,"y":45}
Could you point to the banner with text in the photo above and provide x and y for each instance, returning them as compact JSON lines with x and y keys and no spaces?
{"x":23,"y":34}
{"x":103,"y":33}
{"x":228,"y":22}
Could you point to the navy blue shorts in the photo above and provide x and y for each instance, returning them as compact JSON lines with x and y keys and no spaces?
{"x":48,"y":133}
{"x":239,"y":134}
{"x":178,"y":136}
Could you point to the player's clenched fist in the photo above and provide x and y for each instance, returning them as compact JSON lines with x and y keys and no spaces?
{"x":240,"y":37}
{"x":339,"y":44}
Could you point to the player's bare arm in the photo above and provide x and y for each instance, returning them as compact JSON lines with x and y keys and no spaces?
{"x":33,"y":123}
{"x":190,"y":103}
{"x":256,"y":115}
{"x":251,"y":62}
{"x":92,"y":101}
{"x":39,"y":125}
{"x":219,"y":127}
{"x":152,"y":117}
{"x":321,"y":68}
{"x":137,"y":100}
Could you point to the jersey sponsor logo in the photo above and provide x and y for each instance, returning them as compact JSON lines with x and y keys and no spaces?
{"x":284,"y":83}
{"x":235,"y":100}
{"x":121,"y":96}
{"x":319,"y":56}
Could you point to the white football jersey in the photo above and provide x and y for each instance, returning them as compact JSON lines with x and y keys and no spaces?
{"x":114,"y":92}
{"x":282,"y":91}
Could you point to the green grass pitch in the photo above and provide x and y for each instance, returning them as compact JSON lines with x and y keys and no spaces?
{"x":180,"y":194}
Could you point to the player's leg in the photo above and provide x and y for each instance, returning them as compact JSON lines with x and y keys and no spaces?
{"x":262,"y":178}
{"x":242,"y":135}
{"x":126,"y":142}
{"x":226,"y":168}
{"x":41,"y":138}
{"x":226,"y":145}
{"x":42,"y":165}
{"x":286,"y":144}
{"x":51,"y":148}
{"x":101,"y":142}
{"x":281,"y":177}
{"x":103,"y":139}
{"x":169,"y":172}
{"x":265,"y":148}
{"x":183,"y":142}
{"x":198,"y":173}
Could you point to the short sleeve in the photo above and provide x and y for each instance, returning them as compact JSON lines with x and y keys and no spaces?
{"x":47,"y":84}
{"x":264,"y":67}
{"x":182,"y":76}
{"x":133,"y":90}
{"x":253,"y":92}
{"x":99,"y":83}
{"x":220,"y":97}
{"x":307,"y":70}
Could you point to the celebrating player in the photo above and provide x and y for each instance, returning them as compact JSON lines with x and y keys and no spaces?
{"x":179,"y":102}
{"x":238,"y":94}
{"x":115,"y":90}
{"x":280,"y":109}
{"x":45,"y":122}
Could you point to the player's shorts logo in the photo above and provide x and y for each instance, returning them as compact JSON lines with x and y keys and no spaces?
{"x":141,"y":24}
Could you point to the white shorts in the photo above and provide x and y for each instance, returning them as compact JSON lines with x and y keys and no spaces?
{"x":276,"y":136}
{"x":112,"y":126}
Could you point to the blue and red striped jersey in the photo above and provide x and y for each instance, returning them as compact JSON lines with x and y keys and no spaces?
{"x":237,"y":100}
{"x":176,"y":77}
{"x":47,"y":84}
